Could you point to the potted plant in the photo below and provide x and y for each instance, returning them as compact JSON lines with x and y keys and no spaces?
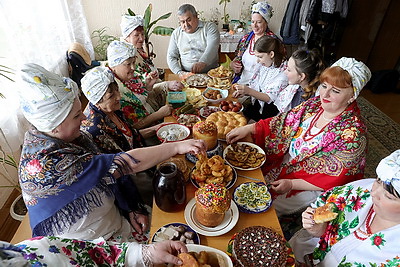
{"x":225,"y":17}
{"x":147,"y":26}
{"x":103,"y":40}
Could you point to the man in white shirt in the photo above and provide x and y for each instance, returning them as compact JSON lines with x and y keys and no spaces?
{"x":194,"y":45}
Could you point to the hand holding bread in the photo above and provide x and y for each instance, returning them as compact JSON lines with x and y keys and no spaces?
{"x":315,"y":220}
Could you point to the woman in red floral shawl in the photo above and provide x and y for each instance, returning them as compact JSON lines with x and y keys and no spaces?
{"x":318,"y":144}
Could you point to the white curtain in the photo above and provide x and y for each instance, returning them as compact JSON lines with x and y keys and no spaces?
{"x":34,"y":31}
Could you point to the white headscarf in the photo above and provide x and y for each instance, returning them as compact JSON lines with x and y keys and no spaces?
{"x":95,"y":83}
{"x":118,"y":52}
{"x":130,"y":23}
{"x":265,"y":10}
{"x":359,"y":72}
{"x":45,"y":97}
{"x":388,"y":170}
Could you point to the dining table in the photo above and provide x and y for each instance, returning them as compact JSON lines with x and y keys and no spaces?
{"x":267,"y":218}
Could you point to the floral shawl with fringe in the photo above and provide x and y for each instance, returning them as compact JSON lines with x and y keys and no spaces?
{"x":337,"y":160}
{"x":62,"y":182}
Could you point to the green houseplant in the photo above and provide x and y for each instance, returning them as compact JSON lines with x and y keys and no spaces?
{"x":226,"y":16}
{"x":148,"y":25}
{"x":103,"y":40}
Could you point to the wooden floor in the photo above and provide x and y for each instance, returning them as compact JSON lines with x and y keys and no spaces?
{"x":388,"y":103}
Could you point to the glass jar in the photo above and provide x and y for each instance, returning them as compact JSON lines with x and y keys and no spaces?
{"x":169,"y":187}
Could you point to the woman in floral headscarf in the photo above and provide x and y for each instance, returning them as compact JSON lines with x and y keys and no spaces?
{"x":367,"y":228}
{"x":317,"y":145}
{"x":245,"y":61}
{"x":133,"y":32}
{"x":69,"y":187}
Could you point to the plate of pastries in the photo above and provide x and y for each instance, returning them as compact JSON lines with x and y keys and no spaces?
{"x":212,"y":170}
{"x":221,"y":73}
{"x":219,"y":83}
{"x":244,"y":156}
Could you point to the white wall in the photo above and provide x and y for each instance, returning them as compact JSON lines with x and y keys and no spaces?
{"x":106,"y":13}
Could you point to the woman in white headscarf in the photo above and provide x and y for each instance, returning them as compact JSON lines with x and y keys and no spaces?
{"x":367,"y":228}
{"x":107,"y":125}
{"x":133,"y":32}
{"x":141,"y":105}
{"x":68,"y":186}
{"x":317,"y":145}
{"x":245,"y":61}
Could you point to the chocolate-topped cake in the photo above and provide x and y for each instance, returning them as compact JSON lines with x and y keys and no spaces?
{"x":259,"y":246}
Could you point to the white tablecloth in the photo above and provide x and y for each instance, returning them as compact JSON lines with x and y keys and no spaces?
{"x":229,"y":41}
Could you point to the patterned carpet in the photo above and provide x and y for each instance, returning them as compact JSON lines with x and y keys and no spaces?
{"x":383,"y":135}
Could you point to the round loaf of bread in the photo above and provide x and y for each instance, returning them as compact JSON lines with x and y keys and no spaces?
{"x":259,"y":246}
{"x":207,"y":131}
{"x":212,"y":201}
{"x":226,"y":122}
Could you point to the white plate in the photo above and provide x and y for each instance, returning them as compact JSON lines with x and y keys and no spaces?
{"x":202,"y":80}
{"x":214,"y":108}
{"x":199,"y":248}
{"x":260,"y":150}
{"x":259,"y":194}
{"x":167,"y":129}
{"x":224,"y":93}
{"x":196,"y":238}
{"x":230,"y":220}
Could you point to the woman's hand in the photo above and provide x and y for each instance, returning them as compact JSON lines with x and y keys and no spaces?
{"x":151,"y":79}
{"x":190,"y":146}
{"x":164,"y":111}
{"x":236,"y":66}
{"x":166,"y":251}
{"x":282,"y":186}
{"x":139,"y":222}
{"x":175,"y":86}
{"x":240,"y":90}
{"x":239,"y":133}
{"x":310,"y":225}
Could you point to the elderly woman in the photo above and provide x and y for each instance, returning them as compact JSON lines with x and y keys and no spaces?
{"x":141,"y":104}
{"x":108,"y":127}
{"x":133,"y":32}
{"x":67,"y":184}
{"x":244,"y":63}
{"x":318,"y":144}
{"x":367,"y":227}
{"x":56,"y":251}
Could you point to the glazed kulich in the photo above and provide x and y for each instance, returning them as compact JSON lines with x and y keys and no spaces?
{"x":207,"y":131}
{"x":259,"y":246}
{"x":212,"y":201}
{"x":226,"y":122}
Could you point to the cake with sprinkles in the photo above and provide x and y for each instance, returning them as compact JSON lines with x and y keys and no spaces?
{"x":212,"y":201}
{"x":259,"y":246}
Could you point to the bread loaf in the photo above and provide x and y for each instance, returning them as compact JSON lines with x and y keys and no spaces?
{"x":226,"y":122}
{"x":325,"y":213}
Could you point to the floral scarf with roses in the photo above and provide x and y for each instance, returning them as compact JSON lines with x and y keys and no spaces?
{"x":55,"y":251}
{"x":338,"y":159}
{"x":338,"y":246}
{"x":61,"y":182}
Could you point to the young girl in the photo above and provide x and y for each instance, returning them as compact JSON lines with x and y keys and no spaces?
{"x":303,"y":71}
{"x":269,"y":79}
